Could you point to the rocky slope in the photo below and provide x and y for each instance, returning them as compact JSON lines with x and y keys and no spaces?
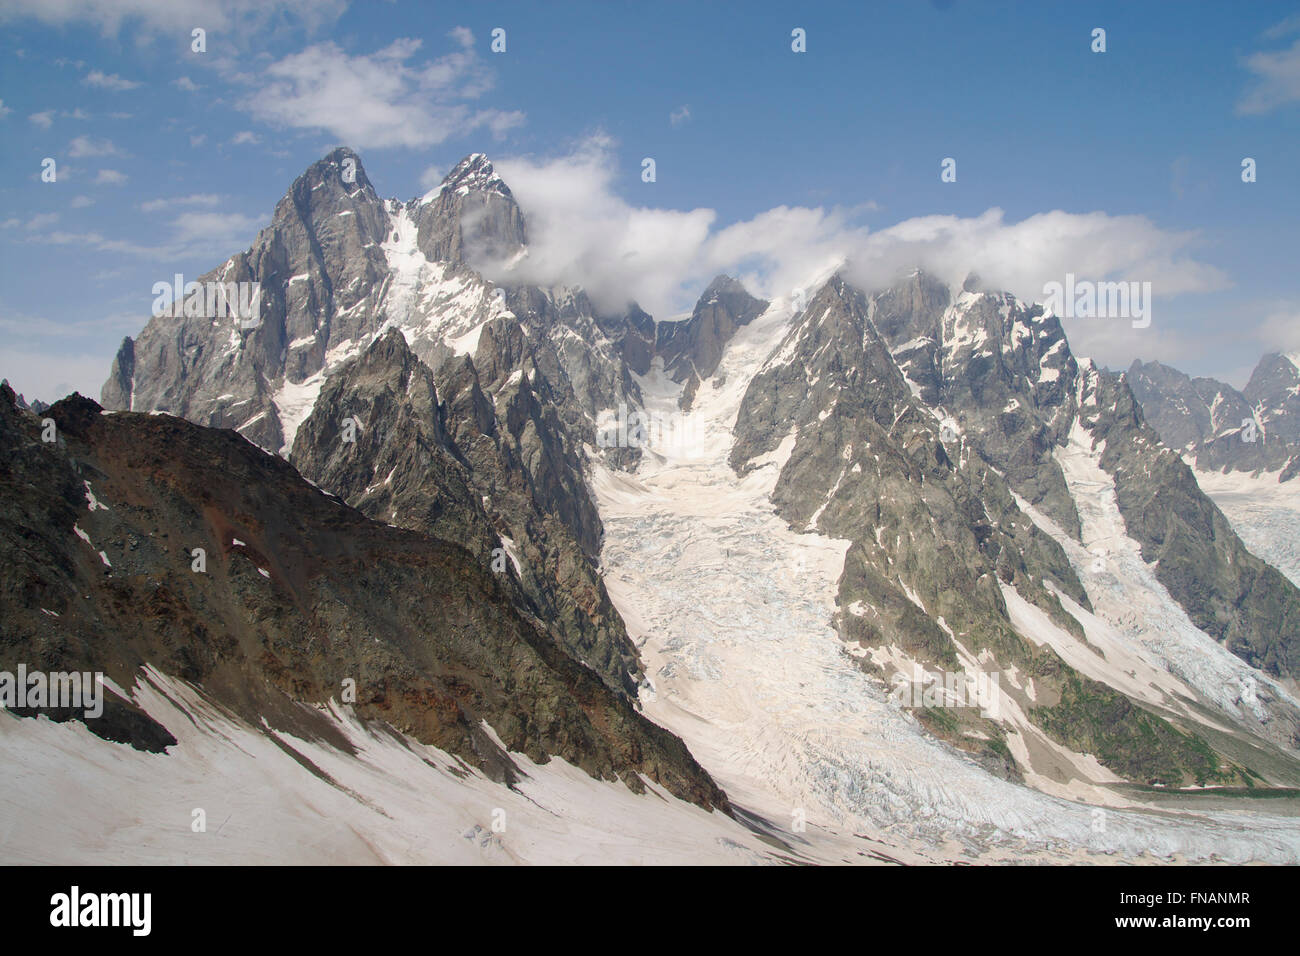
{"x":481,"y":460}
{"x":1227,"y":592}
{"x":692,"y":348}
{"x":1221,"y":428}
{"x":298,"y":594}
{"x":938,"y":535}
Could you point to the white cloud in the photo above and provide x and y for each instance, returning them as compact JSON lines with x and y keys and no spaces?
{"x":1171,"y":339}
{"x":431,"y":177}
{"x":1280,"y":329}
{"x":42,"y":219}
{"x":4,"y":110}
{"x":193,"y":235}
{"x":81,"y":202}
{"x":108,"y":81}
{"x":43,"y":119}
{"x":245,"y":137}
{"x":85,"y":146}
{"x":679,"y":115}
{"x":582,"y":233}
{"x":30,"y":327}
{"x":236,"y":17}
{"x":382,"y":99}
{"x":110,"y":177}
{"x":1020,"y":257}
{"x":196,"y":199}
{"x":39,"y":221}
{"x":199,"y":140}
{"x":186,"y":84}
{"x":220,"y":232}
{"x":1277,"y":80}
{"x":1290,"y":25}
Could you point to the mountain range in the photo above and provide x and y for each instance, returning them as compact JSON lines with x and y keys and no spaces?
{"x":742,"y":623}
{"x":1223,"y":429}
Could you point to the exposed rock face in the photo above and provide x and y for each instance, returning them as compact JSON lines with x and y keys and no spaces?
{"x":335,"y":263}
{"x":1227,"y":591}
{"x":299,"y":594}
{"x":121,"y":380}
{"x":1274,"y":388}
{"x":1222,"y":429}
{"x":913,"y":454}
{"x":1185,"y":411}
{"x":377,"y":440}
{"x":318,"y":266}
{"x":471,"y":215}
{"x":586,"y":350}
{"x":632,"y":337}
{"x":491,"y":469}
{"x":998,"y":370}
{"x":694,"y":347}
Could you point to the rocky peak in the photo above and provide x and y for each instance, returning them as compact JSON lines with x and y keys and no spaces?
{"x":695,"y":346}
{"x":1274,"y":392}
{"x":474,"y":173}
{"x":116,"y":392}
{"x":1275,"y":381}
{"x":333,"y":183}
{"x":502,"y":349}
{"x":472,"y":215}
{"x":1222,"y":428}
{"x":911,"y":308}
{"x":1184,"y":410}
{"x":474,"y":456}
{"x":7,"y":396}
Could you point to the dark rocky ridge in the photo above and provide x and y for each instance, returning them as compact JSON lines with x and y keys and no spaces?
{"x":1229,"y":593}
{"x":433,"y":640}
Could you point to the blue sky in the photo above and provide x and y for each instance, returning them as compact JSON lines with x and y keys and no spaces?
{"x":766,"y":160}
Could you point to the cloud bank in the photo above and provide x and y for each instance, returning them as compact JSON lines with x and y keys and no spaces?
{"x":581,"y":232}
